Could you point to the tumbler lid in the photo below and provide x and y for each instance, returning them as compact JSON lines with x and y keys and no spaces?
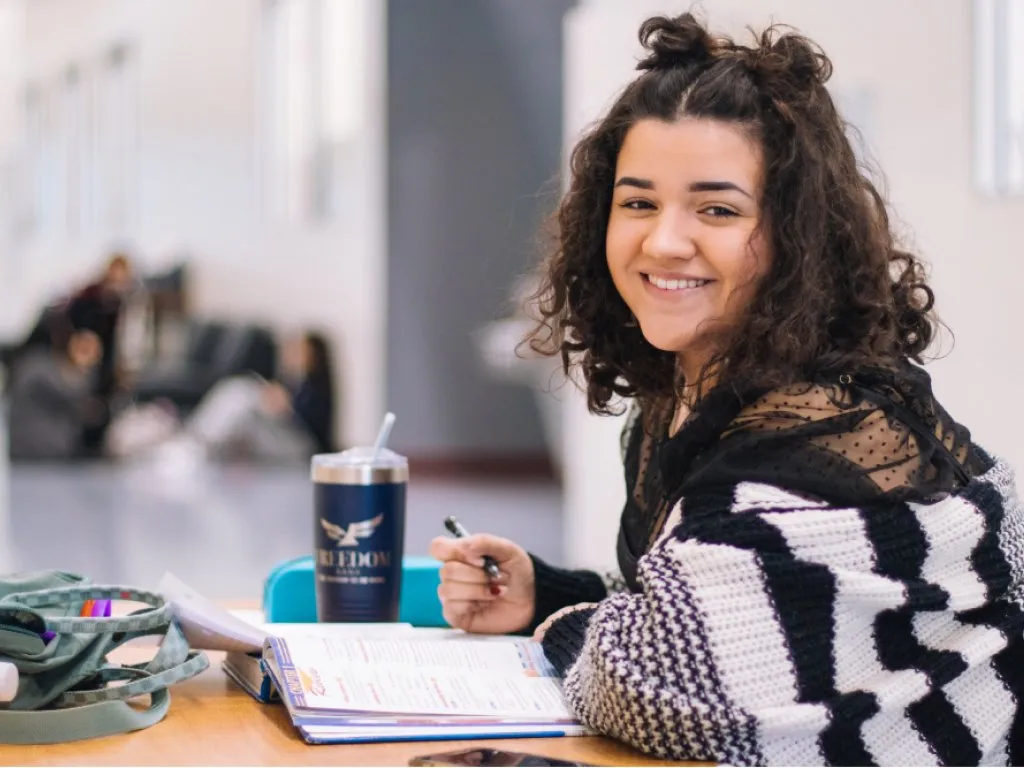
{"x":358,"y":466}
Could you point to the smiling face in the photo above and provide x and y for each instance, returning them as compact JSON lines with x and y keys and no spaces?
{"x":683,"y":245}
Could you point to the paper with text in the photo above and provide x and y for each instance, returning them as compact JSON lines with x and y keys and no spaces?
{"x":446,"y":677}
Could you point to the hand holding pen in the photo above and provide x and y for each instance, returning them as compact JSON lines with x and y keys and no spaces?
{"x":490,"y":566}
{"x":487,"y":582}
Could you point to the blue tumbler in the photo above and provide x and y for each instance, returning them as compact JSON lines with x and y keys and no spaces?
{"x":359,"y":534}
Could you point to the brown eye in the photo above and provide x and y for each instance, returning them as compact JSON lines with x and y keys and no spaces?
{"x":637,"y":205}
{"x":719,"y":212}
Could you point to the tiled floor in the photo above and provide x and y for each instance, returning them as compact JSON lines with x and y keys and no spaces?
{"x":221,"y":529}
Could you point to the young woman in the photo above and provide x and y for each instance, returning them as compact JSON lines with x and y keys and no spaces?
{"x":818,"y":565}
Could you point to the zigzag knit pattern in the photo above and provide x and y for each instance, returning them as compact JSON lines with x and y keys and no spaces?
{"x":781,"y":631}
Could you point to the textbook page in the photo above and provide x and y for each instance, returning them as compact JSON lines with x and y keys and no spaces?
{"x":328,"y":675}
{"x":514,"y":655}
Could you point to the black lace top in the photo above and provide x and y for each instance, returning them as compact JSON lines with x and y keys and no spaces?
{"x":847,"y":440}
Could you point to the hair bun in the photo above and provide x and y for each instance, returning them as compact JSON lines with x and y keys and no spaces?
{"x":674,"y":42}
{"x":789,"y":56}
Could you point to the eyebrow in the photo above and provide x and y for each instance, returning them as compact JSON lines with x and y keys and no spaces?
{"x":633,"y":181}
{"x":718,"y":186}
{"x":697,"y":186}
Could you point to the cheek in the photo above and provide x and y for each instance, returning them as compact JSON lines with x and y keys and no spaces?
{"x":746,"y":269}
{"x":622,"y":244}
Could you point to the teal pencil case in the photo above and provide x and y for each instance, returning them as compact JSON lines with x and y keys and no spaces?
{"x":289,"y":593}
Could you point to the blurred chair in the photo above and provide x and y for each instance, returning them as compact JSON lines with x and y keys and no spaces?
{"x":168,"y":294}
{"x":213,"y":352}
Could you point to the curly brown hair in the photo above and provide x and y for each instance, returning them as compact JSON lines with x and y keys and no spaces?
{"x":840,"y":294}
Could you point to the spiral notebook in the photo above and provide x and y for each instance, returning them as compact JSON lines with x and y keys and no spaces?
{"x":246,"y":668}
{"x":349,"y":689}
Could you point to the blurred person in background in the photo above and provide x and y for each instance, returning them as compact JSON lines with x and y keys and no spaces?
{"x":249,"y":417}
{"x":98,"y":307}
{"x":817,"y":563}
{"x":52,"y":402}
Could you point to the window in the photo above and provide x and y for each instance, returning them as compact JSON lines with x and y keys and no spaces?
{"x":288,"y":109}
{"x":79,"y":155}
{"x":34,"y":181}
{"x":999,"y":96}
{"x":311,"y":80}
{"x":77,"y":170}
{"x":47,"y":160}
{"x":116,"y":142}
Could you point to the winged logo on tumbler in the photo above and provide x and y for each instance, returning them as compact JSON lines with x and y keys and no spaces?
{"x":348,"y":537}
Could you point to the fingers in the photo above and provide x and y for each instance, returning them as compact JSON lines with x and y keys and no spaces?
{"x":459,"y":615}
{"x":464,"y":615}
{"x":471,"y":550}
{"x":465,"y":591}
{"x":461,"y":592}
{"x":500,"y":549}
{"x":446,"y":549}
{"x":454,"y":570}
{"x":467,"y":583}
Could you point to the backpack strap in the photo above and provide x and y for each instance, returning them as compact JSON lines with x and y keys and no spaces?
{"x":141,"y":682}
{"x":158,"y":615}
{"x":104,"y":718}
{"x":172,"y":664}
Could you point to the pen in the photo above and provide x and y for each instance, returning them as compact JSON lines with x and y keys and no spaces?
{"x":459,"y":532}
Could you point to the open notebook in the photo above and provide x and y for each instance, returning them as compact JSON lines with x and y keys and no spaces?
{"x":247,"y":669}
{"x":381,"y":682}
{"x":416,"y":686}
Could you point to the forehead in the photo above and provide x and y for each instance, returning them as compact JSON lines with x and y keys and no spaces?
{"x":688,"y":150}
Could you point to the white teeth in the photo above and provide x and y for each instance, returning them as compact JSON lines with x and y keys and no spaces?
{"x":675,"y":285}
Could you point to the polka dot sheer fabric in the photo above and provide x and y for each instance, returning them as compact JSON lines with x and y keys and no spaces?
{"x":848,"y":440}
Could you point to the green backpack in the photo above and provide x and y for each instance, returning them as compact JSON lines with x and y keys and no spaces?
{"x":63,"y":690}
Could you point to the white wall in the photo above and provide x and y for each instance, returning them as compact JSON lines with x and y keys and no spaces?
{"x":908,"y":67}
{"x":198,"y":184}
{"x":11,"y":26}
{"x":11,"y":22}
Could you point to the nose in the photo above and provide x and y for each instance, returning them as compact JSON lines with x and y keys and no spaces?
{"x":671,"y":237}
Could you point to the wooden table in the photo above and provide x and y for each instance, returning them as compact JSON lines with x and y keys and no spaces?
{"x":213,"y":722}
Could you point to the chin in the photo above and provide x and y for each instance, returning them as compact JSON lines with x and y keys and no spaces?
{"x":667,"y":342}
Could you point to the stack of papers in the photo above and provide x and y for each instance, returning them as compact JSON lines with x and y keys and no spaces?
{"x":247,"y":668}
{"x":412,"y":687}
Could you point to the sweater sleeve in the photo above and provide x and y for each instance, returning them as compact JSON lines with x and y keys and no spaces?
{"x":557,"y":588}
{"x":777,"y":629}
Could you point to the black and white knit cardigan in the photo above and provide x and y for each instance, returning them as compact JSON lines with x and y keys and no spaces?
{"x":776,"y":630}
